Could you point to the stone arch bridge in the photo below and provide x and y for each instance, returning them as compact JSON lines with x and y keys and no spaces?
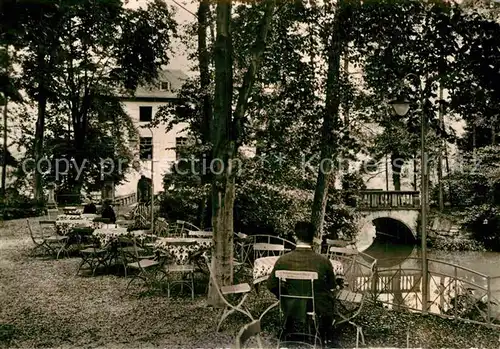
{"x":395,"y":211}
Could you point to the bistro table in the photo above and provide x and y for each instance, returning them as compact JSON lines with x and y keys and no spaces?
{"x":66,"y":223}
{"x":110,"y":235}
{"x":182,"y":249}
{"x":263,"y":267}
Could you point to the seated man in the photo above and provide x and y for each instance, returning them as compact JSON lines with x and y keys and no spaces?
{"x":108,"y":212}
{"x":303,"y":258}
{"x":89,"y":207}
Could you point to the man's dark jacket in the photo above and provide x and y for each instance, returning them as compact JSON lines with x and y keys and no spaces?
{"x":305,"y":259}
{"x":109,"y":213}
{"x":90,"y":209}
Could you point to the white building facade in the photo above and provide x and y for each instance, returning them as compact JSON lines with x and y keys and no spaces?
{"x":155,"y":148}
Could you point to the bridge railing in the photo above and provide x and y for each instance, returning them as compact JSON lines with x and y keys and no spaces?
{"x":126,"y":200}
{"x":388,"y":200}
{"x":454,"y":291}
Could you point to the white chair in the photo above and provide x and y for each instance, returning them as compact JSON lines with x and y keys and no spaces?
{"x":305,"y":279}
{"x":242,"y":290}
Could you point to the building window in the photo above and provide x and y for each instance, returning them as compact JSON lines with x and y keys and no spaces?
{"x":145,"y":114}
{"x":165,"y":86}
{"x":146,"y":148}
{"x":179,"y":143}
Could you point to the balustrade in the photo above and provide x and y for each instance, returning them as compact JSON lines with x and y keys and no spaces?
{"x":389,"y":200}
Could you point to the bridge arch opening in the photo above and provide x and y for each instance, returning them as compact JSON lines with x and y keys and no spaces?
{"x":393,"y":230}
{"x":392,"y":241}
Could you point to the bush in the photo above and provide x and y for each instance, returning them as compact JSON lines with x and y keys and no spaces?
{"x":16,"y":206}
{"x":265,"y":209}
{"x":352,"y":184}
{"x":483,"y":221}
{"x":183,"y":203}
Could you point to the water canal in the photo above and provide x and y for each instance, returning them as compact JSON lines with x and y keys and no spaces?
{"x":455,"y":278}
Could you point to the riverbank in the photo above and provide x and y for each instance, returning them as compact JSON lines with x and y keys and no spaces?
{"x":43,"y":304}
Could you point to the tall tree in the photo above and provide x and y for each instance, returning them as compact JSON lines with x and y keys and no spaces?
{"x":227,"y":131}
{"x":79,"y":58}
{"x":336,"y":35}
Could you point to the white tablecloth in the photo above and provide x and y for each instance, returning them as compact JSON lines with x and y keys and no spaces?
{"x":181,"y":249}
{"x":263,"y":267}
{"x":65,"y":223}
{"x":107,"y":235}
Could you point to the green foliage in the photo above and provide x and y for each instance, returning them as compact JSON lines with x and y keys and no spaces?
{"x":78,"y":60}
{"x":475,"y":181}
{"x":352,"y":183}
{"x":483,"y":221}
{"x":261,"y":208}
{"x":16,"y":205}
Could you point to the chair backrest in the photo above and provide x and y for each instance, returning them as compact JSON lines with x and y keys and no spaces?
{"x":200,"y":233}
{"x":248,"y":331}
{"x":300,"y":280}
{"x":267,"y":250}
{"x":341,"y":253}
{"x":34,"y":235}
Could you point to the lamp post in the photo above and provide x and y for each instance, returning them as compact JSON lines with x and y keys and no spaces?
{"x":401,"y":107}
{"x":152,"y":183}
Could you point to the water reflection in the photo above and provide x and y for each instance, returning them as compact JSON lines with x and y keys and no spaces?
{"x":458,"y":281}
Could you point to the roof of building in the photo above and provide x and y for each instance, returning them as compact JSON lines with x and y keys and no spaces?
{"x":175,"y":78}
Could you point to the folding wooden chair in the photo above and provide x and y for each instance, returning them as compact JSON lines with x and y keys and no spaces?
{"x":94,"y":256}
{"x":350,"y":303}
{"x":246,"y":333}
{"x":46,"y":239}
{"x":145,"y":265}
{"x":267,"y":250}
{"x":242,"y":290}
{"x":297,"y":282}
{"x":182,"y":267}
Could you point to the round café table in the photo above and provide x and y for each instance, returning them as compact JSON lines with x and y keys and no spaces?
{"x":263,"y":267}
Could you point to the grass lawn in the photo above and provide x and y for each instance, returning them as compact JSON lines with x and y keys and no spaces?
{"x":44,"y":305}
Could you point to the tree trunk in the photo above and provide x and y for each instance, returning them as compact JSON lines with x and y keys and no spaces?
{"x":396,"y":171}
{"x":474,"y":141}
{"x":226,"y":137}
{"x":204,"y":62}
{"x":222,"y":259}
{"x":4,"y":150}
{"x":493,"y":131}
{"x":39,"y":135}
{"x":440,"y":152}
{"x":331,"y":123}
{"x":415,"y":173}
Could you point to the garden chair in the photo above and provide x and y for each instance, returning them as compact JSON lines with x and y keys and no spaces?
{"x":246,"y":333}
{"x":350,"y":303}
{"x":241,"y":291}
{"x":46,"y":239}
{"x":161,"y":227}
{"x":267,"y":250}
{"x":94,"y":256}
{"x":300,"y":288}
{"x":180,"y":264}
{"x":146,"y":265}
{"x":182,"y":228}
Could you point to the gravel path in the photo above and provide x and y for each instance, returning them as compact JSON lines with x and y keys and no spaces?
{"x":44,"y":305}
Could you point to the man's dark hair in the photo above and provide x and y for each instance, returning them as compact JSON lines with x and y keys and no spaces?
{"x":304,"y":231}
